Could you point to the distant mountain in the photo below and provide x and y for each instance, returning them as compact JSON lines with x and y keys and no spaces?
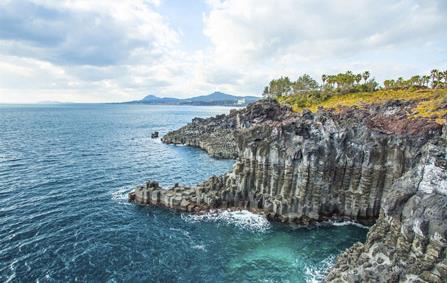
{"x":215,"y":98}
{"x":152,"y":99}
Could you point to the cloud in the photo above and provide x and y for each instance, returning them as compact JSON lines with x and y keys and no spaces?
{"x":122,"y":50}
{"x":82,"y":32}
{"x":94,"y":43}
{"x":257,"y":30}
{"x":290,"y":37}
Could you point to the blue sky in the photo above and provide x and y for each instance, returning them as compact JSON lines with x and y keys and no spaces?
{"x":118,"y":50}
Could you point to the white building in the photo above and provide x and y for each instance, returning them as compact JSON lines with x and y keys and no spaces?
{"x":241,"y":101}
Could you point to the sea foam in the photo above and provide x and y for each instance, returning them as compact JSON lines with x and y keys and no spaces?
{"x":121,"y":195}
{"x":242,"y":219}
{"x":316,"y":273}
{"x":346,"y":223}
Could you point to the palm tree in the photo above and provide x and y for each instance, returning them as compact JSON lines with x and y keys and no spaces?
{"x":331,"y":80}
{"x":366,"y":75}
{"x":434,"y":77}
{"x":339,"y":79}
{"x":426,"y":80}
{"x":358,"y":78}
{"x":440,"y":76}
{"x":415,"y":81}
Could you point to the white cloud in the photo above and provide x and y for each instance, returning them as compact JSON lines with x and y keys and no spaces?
{"x":259,"y":29}
{"x":288,"y":36}
{"x":122,"y":50}
{"x":96,"y":44}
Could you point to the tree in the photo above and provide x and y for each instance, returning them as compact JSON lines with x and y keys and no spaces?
{"x":434,"y":77}
{"x":266,"y":92}
{"x":305,"y":82}
{"x":366,"y":75}
{"x":440,"y":76}
{"x":371,"y":85}
{"x":281,"y":86}
{"x":426,"y":80}
{"x":358,"y":78}
{"x":330,"y":79}
{"x":387,"y":84}
{"x":415,"y":81}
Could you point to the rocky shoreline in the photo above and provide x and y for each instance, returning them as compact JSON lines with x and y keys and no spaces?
{"x":372,"y":165}
{"x":217,"y":135}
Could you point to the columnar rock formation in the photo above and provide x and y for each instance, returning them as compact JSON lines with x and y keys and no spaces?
{"x":361,"y":164}
{"x":408,"y":242}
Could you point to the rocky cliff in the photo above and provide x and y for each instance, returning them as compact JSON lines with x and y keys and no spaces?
{"x":216,"y":135}
{"x":408,"y":242}
{"x":365,"y":164}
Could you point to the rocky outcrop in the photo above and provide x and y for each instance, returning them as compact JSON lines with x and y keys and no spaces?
{"x":408,"y":242}
{"x":216,"y":135}
{"x":365,"y":164}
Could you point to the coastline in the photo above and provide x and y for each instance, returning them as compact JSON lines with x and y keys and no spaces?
{"x":308,"y":168}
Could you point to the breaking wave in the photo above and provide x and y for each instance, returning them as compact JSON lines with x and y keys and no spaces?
{"x":121,"y":195}
{"x":316,"y":273}
{"x":242,"y":219}
{"x":346,"y":223}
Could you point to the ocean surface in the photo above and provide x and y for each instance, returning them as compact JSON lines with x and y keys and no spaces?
{"x":65,"y":171}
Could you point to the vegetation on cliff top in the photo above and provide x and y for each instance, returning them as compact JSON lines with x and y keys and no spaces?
{"x":349,"y":89}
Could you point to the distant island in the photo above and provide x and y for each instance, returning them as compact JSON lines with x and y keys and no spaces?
{"x":215,"y":98}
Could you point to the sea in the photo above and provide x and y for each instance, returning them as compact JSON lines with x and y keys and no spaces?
{"x":65,"y":171}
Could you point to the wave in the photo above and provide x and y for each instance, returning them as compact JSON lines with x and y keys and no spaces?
{"x":316,"y":273}
{"x":156,"y":140}
{"x":346,"y":223}
{"x":121,"y":195}
{"x":200,"y":247}
{"x":242,"y":219}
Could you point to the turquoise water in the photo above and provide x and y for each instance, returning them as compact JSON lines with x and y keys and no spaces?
{"x":64,"y":174}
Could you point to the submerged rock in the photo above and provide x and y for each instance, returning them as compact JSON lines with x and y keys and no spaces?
{"x":360,"y":164}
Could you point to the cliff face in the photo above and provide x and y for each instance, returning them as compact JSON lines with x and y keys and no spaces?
{"x":408,"y":242}
{"x":216,"y":135}
{"x":361,"y":164}
{"x":326,"y":164}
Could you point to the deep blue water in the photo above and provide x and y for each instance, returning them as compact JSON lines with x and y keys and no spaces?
{"x":64,"y":174}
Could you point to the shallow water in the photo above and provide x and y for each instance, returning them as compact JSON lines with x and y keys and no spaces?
{"x":65,"y":171}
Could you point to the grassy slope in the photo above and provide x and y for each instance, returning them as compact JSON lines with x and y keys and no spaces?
{"x":431,"y":103}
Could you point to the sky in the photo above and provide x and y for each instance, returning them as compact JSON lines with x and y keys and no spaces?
{"x":119,"y":50}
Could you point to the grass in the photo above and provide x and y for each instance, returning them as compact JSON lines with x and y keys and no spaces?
{"x":431,"y":103}
{"x":433,"y":108}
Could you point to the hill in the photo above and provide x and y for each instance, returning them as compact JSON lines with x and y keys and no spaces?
{"x":215,"y":98}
